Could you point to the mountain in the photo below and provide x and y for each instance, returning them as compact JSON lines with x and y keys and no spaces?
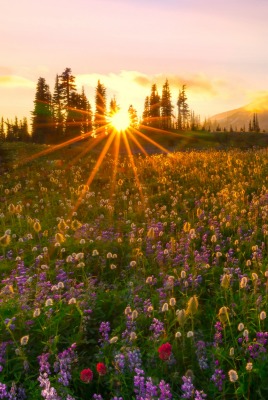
{"x":240,"y":117}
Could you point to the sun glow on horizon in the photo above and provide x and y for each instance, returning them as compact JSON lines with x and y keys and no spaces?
{"x":120,"y":121}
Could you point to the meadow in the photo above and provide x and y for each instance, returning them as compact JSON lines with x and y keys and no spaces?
{"x":149,"y":283}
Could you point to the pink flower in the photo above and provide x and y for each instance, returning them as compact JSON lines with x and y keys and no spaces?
{"x":86,"y":375}
{"x":165,"y":351}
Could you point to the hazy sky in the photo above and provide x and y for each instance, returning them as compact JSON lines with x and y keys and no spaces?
{"x":218,"y":48}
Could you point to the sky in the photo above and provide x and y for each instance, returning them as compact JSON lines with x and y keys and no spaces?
{"x":217,"y":48}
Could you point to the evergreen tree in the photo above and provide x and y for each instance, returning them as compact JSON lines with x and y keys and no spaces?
{"x":2,"y":131}
{"x":166,"y":107}
{"x":16,"y":130}
{"x":154,"y":111}
{"x":42,"y":113}
{"x":133,"y":116}
{"x":183,"y":110}
{"x":69,"y":101}
{"x":86,"y":113}
{"x":114,"y":107}
{"x":24,"y":135}
{"x":9,"y":131}
{"x":146,"y":112}
{"x":58,"y":116}
{"x":100,"y":102}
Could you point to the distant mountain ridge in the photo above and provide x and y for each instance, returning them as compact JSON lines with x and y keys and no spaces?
{"x":240,"y":117}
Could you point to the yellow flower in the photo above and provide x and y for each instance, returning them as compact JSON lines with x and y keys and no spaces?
{"x":151,"y":233}
{"x":37,"y":226}
{"x":186,"y":227}
{"x":11,"y":208}
{"x":223,"y":314}
{"x":59,"y":238}
{"x":5,"y":240}
{"x":192,"y":306}
{"x":75,"y":224}
{"x":225,"y":283}
{"x":62,"y":225}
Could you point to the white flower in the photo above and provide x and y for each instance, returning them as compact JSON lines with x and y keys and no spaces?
{"x":113,"y":339}
{"x":233,"y":377}
{"x":24,"y":340}
{"x":262,"y":315}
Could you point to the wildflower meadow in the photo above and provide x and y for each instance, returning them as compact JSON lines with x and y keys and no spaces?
{"x":148,"y":282}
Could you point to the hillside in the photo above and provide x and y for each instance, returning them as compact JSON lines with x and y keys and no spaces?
{"x":240,"y":117}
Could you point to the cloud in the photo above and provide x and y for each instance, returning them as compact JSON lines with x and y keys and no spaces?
{"x":14,"y":81}
{"x":258,"y":101}
{"x":195,"y":83}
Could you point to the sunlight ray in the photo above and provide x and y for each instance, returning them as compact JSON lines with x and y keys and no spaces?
{"x":131,"y":158}
{"x":96,"y":167}
{"x":135,"y":140}
{"x":151,"y":141}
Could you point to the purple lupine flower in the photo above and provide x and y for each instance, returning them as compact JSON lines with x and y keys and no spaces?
{"x":187,"y":388}
{"x":151,"y":389}
{"x":199,"y":395}
{"x":97,"y":397}
{"x":218,"y":377}
{"x":130,"y":327}
{"x":48,"y":392}
{"x":139,"y":384}
{"x":63,"y":365}
{"x":201,"y":354}
{"x":3,"y":391}
{"x":16,"y":393}
{"x":157,"y":327}
{"x":117,"y":398}
{"x":104,"y":330}
{"x":134,"y":359}
{"x":259,"y":345}
{"x":3,"y":348}
{"x":218,"y":334}
{"x":165,"y":393}
{"x":119,"y":362}
{"x":44,"y":366}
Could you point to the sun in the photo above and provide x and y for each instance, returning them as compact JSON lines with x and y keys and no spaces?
{"x":120,"y":121}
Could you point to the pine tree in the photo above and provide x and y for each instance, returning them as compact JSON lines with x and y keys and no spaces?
{"x":16,"y":130}
{"x":58,"y":113}
{"x":100,"y":102}
{"x":24,"y":135}
{"x":154,"y":111}
{"x":69,"y":101}
{"x":114,"y":107}
{"x":146,"y":112}
{"x":166,"y":107}
{"x":86,"y":113}
{"x":2,"y":131}
{"x":183,"y":110}
{"x":9,"y":131}
{"x":133,"y":116}
{"x":42,"y":116}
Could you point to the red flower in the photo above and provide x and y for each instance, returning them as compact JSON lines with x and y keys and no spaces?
{"x":165,"y":351}
{"x":86,"y":375}
{"x":101,"y":368}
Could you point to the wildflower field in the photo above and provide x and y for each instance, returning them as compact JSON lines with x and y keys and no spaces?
{"x":149,"y":281}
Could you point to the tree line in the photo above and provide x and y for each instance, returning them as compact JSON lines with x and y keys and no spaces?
{"x":65,"y":113}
